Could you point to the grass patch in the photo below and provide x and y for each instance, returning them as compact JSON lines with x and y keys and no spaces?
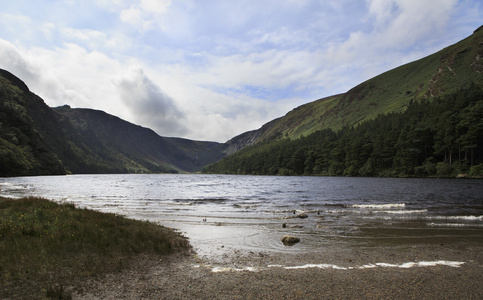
{"x":45,"y":244}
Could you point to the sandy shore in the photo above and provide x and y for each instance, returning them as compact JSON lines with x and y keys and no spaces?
{"x":421,"y":271}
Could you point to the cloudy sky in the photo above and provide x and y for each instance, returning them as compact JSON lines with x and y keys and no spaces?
{"x":212,"y":69}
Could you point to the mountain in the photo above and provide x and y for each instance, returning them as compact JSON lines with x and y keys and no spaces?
{"x":131,"y":147}
{"x":439,"y":74}
{"x":424,"y":118}
{"x":38,"y":140}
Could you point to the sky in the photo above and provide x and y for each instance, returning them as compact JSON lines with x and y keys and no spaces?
{"x":212,"y":69}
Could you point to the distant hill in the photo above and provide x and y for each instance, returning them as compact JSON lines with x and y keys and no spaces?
{"x":439,"y":74}
{"x":133,"y":148}
{"x":38,"y":140}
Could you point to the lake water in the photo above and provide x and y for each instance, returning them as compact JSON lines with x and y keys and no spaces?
{"x":226,"y":212}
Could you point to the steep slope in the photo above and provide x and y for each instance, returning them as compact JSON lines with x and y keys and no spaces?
{"x":443,"y":137}
{"x":23,"y":149}
{"x":38,"y":140}
{"x":439,"y":74}
{"x":135,"y":148}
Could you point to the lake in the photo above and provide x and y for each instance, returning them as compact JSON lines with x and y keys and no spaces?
{"x":229,"y":213}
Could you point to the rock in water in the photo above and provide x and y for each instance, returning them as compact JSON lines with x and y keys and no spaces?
{"x":302,"y":215}
{"x":289,"y":240}
{"x":285,"y":225}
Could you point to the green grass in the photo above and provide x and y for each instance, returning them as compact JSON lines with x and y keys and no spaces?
{"x":45,"y":245}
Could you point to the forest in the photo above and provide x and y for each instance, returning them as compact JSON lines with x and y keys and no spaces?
{"x":435,"y":137}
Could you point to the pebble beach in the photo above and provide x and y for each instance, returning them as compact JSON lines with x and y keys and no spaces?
{"x":443,"y":271}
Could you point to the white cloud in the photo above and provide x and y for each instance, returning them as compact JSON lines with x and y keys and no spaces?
{"x":149,"y":104}
{"x":12,"y":60}
{"x":145,"y":14}
{"x":155,"y":6}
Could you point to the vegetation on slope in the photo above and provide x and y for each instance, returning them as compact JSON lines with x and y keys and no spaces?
{"x":439,"y":74}
{"x":132,"y":148}
{"x":443,"y":137}
{"x":38,"y":140}
{"x":22,"y":150}
{"x":43,"y":244}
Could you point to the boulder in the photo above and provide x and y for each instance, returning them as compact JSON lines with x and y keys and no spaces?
{"x":289,"y":240}
{"x":302,"y":215}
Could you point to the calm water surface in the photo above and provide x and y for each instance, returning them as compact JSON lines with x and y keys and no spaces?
{"x":247,"y":212}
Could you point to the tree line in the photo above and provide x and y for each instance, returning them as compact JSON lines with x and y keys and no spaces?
{"x":437,"y":137}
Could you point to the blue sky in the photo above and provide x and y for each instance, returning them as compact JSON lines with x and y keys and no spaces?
{"x":210,"y":70}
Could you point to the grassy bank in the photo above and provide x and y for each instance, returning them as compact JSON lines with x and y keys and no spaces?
{"x":45,"y":245}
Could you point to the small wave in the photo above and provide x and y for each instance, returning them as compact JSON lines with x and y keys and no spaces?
{"x":11,"y":186}
{"x":414,"y":211}
{"x":10,"y":196}
{"x":199,"y":201}
{"x":466,"y":218}
{"x":454,"y":225}
{"x":246,"y":206}
{"x":228,"y":269}
{"x":180,"y":203}
{"x":407,"y":265}
{"x":379,"y":206}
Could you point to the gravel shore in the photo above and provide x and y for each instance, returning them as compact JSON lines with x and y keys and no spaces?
{"x":452,"y":271}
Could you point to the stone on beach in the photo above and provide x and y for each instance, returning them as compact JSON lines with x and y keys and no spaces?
{"x":289,"y":240}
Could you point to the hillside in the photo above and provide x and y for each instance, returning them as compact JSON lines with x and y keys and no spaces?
{"x":135,"y":148}
{"x":23,"y":149}
{"x":424,"y":118}
{"x":442,"y":137}
{"x":439,"y":74}
{"x":38,"y":140}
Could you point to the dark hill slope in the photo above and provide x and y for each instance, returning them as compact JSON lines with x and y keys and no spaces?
{"x":38,"y":140}
{"x":24,"y":150}
{"x":439,"y":74}
{"x":136,"y":148}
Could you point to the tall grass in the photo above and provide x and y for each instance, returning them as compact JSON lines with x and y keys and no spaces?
{"x":44,"y":243}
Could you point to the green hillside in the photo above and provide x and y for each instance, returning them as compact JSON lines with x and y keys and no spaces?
{"x":373,"y":129}
{"x":442,"y":73}
{"x":443,"y":137}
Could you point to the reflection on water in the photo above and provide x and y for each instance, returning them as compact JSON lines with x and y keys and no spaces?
{"x":247,"y":212}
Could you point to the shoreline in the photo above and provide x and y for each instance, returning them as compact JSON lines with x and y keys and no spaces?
{"x":451,"y":271}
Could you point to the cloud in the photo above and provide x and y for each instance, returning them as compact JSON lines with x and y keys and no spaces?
{"x":149,"y":104}
{"x":12,"y":60}
{"x":145,"y":14}
{"x":155,"y":6}
{"x":403,"y":22}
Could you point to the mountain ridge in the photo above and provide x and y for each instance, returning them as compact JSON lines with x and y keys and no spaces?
{"x":440,"y":73}
{"x":36,"y":139}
